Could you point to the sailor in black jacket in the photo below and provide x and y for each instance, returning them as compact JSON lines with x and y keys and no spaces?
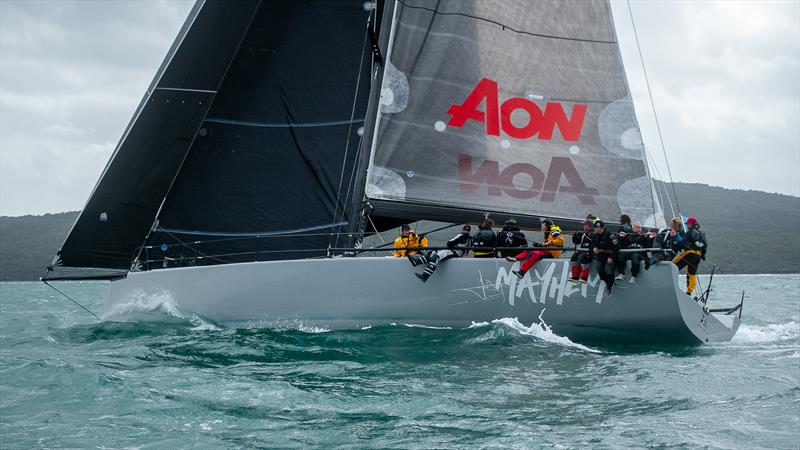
{"x":511,"y":236}
{"x":633,"y":240}
{"x":605,"y":247}
{"x":580,"y":261}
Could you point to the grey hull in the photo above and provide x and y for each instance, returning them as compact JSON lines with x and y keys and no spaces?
{"x":358,"y":292}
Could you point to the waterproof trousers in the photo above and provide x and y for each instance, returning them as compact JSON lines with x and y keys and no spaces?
{"x":691,"y":260}
{"x":605,"y":270}
{"x":431,"y":259}
{"x":529,"y":258}
{"x":636,"y":262}
{"x":579,"y":264}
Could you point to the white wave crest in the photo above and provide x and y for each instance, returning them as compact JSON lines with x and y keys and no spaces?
{"x":140,"y":302}
{"x":478,"y":324}
{"x":311,"y":329}
{"x":429,"y":327}
{"x":542,"y":331}
{"x":769,"y":333}
{"x":202,"y":325}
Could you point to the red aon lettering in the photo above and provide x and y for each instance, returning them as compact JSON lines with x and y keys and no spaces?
{"x":497,"y":116}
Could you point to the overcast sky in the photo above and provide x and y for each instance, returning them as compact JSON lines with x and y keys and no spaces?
{"x":725,"y":79}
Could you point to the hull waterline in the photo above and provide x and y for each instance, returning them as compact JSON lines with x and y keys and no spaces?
{"x":358,"y":292}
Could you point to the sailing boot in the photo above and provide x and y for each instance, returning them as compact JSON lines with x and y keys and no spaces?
{"x":429,"y":269}
{"x":520,"y":274}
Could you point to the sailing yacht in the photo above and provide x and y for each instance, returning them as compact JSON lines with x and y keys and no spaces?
{"x":277,"y":134}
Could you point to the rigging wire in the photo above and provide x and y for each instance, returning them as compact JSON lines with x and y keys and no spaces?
{"x":664,"y":187}
{"x":349,"y":133}
{"x":653,"y":105}
{"x":71,"y":299}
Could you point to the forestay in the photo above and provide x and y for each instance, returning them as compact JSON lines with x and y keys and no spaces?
{"x":511,"y":106}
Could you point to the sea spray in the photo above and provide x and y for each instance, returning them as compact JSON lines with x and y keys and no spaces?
{"x":140,"y":303}
{"x":768,"y":333}
{"x":542,"y":331}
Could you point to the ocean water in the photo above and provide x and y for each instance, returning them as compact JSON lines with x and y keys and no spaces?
{"x":182,"y":382}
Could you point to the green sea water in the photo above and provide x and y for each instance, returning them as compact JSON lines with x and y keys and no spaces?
{"x":178,"y":381}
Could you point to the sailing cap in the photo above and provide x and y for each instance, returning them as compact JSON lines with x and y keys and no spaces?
{"x":466,"y":228}
{"x":599,"y":224}
{"x":511,"y":221}
{"x":691,"y":220}
{"x":555,"y":231}
{"x":405,"y":227}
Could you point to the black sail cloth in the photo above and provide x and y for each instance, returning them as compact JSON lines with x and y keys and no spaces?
{"x":287,"y":85}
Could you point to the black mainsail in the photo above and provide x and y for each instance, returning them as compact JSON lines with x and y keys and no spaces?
{"x":246,"y":130}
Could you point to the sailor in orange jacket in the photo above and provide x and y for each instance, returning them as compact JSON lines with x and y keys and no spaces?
{"x":529,"y":258}
{"x":408,"y":239}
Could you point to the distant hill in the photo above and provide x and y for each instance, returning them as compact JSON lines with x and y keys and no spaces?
{"x":29,"y":243}
{"x":748,"y":231}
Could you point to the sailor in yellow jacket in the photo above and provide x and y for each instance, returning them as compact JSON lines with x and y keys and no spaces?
{"x":408,"y":239}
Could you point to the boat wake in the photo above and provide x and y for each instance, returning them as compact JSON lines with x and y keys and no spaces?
{"x":769,"y":333}
{"x":538,"y":330}
{"x":158,"y":306}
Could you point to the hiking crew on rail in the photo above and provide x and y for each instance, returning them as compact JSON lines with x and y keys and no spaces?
{"x":594,"y":244}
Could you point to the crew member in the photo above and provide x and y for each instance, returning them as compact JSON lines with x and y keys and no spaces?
{"x":529,"y":258}
{"x":633,"y":240}
{"x":691,"y":245}
{"x":408,"y":240}
{"x":580,"y":260}
{"x":605,"y":246}
{"x":485,"y":239}
{"x":664,"y":240}
{"x":510,"y":236}
{"x":432,"y":259}
{"x":624,"y":229}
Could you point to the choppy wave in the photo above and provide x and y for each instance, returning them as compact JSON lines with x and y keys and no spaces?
{"x":540,"y":330}
{"x":768,"y":333}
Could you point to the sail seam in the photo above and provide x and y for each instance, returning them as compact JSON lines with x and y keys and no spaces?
{"x":262,"y":233}
{"x":246,"y":123}
{"x":207,"y":91}
{"x":506,"y":27}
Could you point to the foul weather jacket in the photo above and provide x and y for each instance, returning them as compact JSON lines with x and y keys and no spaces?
{"x":484,"y":238}
{"x":510,"y":236}
{"x":411,"y":241}
{"x":461,"y":239}
{"x":554,"y":241}
{"x":607,"y":242}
